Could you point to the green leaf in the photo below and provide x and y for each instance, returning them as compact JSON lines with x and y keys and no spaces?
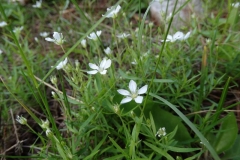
{"x":227,"y":134}
{"x":160,"y":151}
{"x":166,"y":119}
{"x":180,"y":150}
{"x":91,"y":155}
{"x":190,"y":124}
{"x":120,"y":156}
{"x":119,"y":148}
{"x":234,"y":151}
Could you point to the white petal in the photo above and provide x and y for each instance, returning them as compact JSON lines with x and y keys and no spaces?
{"x":132,"y":86}
{"x":169,"y":37}
{"x":124,"y":92}
{"x":56,"y":35}
{"x":107,"y":50}
{"x":126,"y":100}
{"x":187,"y":36}
{"x":103,"y":62}
{"x":92,"y":72}
{"x":118,"y":8}
{"x":107,"y":64}
{"x":99,"y":33}
{"x":178,"y":35}
{"x":143,"y":89}
{"x":139,"y":99}
{"x":49,"y":39}
{"x":65,"y":61}
{"x":103,"y":72}
{"x":93,"y":66}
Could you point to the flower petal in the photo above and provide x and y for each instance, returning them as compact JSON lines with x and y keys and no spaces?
{"x":178,"y":35}
{"x":99,"y":33}
{"x":169,"y":38}
{"x":49,"y":39}
{"x":124,"y":92}
{"x":56,"y":35}
{"x":126,"y":100}
{"x":103,"y":72}
{"x":103,"y":62}
{"x":143,"y":89}
{"x":132,"y":86}
{"x":107,"y":64}
{"x":187,"y":36}
{"x":92,"y":72}
{"x":93,"y":66}
{"x":139,"y":99}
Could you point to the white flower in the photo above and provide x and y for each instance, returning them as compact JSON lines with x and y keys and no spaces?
{"x":21,"y":120}
{"x":84,"y":43}
{"x":94,"y":36}
{"x":134,"y":93}
{"x":161,"y":132}
{"x":48,"y":132}
{"x":113,"y":11}
{"x":57,"y":38}
{"x":1,"y":51}
{"x":36,"y":39}
{"x":38,"y":4}
{"x":102,"y":68}
{"x":186,"y":36}
{"x":108,"y":50}
{"x":236,"y":5}
{"x":45,"y":124}
{"x":177,"y":36}
{"x":17,"y":29}
{"x":3,"y":24}
{"x":43,"y":34}
{"x":53,"y":94}
{"x":134,"y":62}
{"x":61,"y":64}
{"x":123,"y":35}
{"x":53,"y":79}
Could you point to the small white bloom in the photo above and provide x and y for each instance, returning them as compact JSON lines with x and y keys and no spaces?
{"x":1,"y":51}
{"x":116,"y":108}
{"x":57,"y":38}
{"x":177,"y":36}
{"x":134,"y":62}
{"x":61,"y":64}
{"x":161,"y":132}
{"x":18,"y":29}
{"x":84,"y":43}
{"x":53,"y":94}
{"x":94,"y":36}
{"x":236,"y":5}
{"x":43,"y":34}
{"x":3,"y":24}
{"x":123,"y":35}
{"x":113,"y":11}
{"x":102,"y":68}
{"x":134,"y":93}
{"x":36,"y":39}
{"x":45,"y":124}
{"x":38,"y":4}
{"x":21,"y":120}
{"x":53,"y":79}
{"x":186,"y":36}
{"x":108,"y":50}
{"x":208,"y":41}
{"x":48,"y":132}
